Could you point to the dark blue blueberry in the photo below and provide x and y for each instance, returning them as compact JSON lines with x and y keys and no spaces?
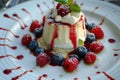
{"x":75,"y":56}
{"x":38,"y":32}
{"x":90,"y":38}
{"x":33,"y":45}
{"x":57,"y":59}
{"x":90,"y":26}
{"x":81,"y":51}
{"x":39,"y":50}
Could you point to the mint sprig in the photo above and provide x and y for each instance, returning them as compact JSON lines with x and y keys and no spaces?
{"x":73,"y":7}
{"x":62,"y":1}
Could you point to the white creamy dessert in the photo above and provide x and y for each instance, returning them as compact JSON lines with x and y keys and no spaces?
{"x":64,"y":32}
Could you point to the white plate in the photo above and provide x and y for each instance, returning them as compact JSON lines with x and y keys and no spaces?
{"x":106,"y":61}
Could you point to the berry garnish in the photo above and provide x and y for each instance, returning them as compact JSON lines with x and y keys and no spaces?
{"x":39,"y":50}
{"x":26,"y":39}
{"x":71,"y":4}
{"x":90,"y":58}
{"x":35,"y":24}
{"x":42,"y":59}
{"x":57,"y":59}
{"x":70,"y":64}
{"x":63,"y":10}
{"x":66,"y":7}
{"x":90,"y":38}
{"x":81,"y":51}
{"x":96,"y":46}
{"x":58,"y":6}
{"x":33,"y":45}
{"x":38,"y":32}
{"x":74,"y":55}
{"x":90,"y":26}
{"x":99,"y":34}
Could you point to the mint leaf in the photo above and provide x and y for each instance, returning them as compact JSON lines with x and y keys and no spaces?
{"x":70,"y":2}
{"x":62,"y":1}
{"x":75,"y":8}
{"x":80,"y":42}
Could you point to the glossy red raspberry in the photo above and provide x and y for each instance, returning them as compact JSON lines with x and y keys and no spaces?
{"x":96,"y":46}
{"x":90,"y":58}
{"x":63,"y":10}
{"x":58,"y":6}
{"x":42,"y":59}
{"x":70,"y":64}
{"x":26,"y":39}
{"x":99,"y":34}
{"x":35,"y":24}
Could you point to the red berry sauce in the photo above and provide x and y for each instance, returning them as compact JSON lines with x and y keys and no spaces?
{"x":23,"y":9}
{"x":17,"y":77}
{"x":16,"y":15}
{"x":19,"y":57}
{"x":76,"y":79}
{"x":108,"y":76}
{"x":6,"y":39}
{"x":16,"y":36}
{"x":55,"y":35}
{"x":8,"y":71}
{"x":7,"y":16}
{"x":41,"y":11}
{"x":116,"y":54}
{"x":43,"y":76}
{"x":12,"y":47}
{"x":89,"y":78}
{"x":111,"y":40}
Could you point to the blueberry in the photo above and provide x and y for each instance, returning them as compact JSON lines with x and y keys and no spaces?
{"x":33,"y":45}
{"x":57,"y":59}
{"x":38,"y":32}
{"x":81,"y":51}
{"x":90,"y":38}
{"x":90,"y":26}
{"x":39,"y":50}
{"x":75,"y":56}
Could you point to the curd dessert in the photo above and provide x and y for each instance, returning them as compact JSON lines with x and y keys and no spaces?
{"x":64,"y":29}
{"x":64,"y":38}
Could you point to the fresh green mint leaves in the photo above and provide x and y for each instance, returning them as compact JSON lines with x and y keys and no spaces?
{"x":73,"y":7}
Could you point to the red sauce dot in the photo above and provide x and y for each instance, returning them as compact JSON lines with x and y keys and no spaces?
{"x":15,"y":78}
{"x":7,"y":71}
{"x":115,"y":54}
{"x":19,"y":57}
{"x":14,"y":47}
{"x":111,"y":40}
{"x":98,"y":72}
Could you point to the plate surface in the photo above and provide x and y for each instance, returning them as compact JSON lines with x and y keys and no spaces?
{"x":108,"y":61}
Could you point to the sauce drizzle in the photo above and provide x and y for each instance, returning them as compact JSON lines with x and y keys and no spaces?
{"x":8,"y":71}
{"x":7,"y":16}
{"x":16,"y":36}
{"x":17,"y":77}
{"x":23,"y":9}
{"x":108,"y":76}
{"x":15,"y":15}
{"x":12,"y":47}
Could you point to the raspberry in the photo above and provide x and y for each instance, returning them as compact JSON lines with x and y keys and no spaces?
{"x":35,"y":24}
{"x":58,"y":6}
{"x":42,"y":59}
{"x":63,"y":10}
{"x":70,"y":64}
{"x":26,"y":39}
{"x":99,"y":34}
{"x":96,"y":46}
{"x":90,"y":58}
